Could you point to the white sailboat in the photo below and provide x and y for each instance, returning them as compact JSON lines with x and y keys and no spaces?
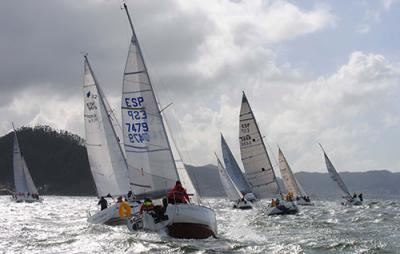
{"x":349,"y":199}
{"x":106,"y":159}
{"x":25,"y":189}
{"x":234,"y":171}
{"x":150,"y":158}
{"x":290,"y":181}
{"x":230,"y":188}
{"x":257,"y":164}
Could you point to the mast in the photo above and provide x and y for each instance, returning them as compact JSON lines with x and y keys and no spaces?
{"x":263,"y":144}
{"x":136,"y":41}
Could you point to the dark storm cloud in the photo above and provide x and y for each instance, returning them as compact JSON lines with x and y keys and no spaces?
{"x":41,"y":42}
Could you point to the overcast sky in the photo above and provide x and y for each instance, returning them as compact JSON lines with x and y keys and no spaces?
{"x":313,"y":71}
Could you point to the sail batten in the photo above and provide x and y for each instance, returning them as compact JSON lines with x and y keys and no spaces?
{"x":256,"y":162}
{"x":106,"y":157}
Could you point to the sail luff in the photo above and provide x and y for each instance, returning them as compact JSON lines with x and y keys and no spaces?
{"x":255,"y":158}
{"x":288,"y":177}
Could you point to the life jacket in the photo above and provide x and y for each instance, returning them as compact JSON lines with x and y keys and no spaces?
{"x":146,"y":207}
{"x":178,"y":195}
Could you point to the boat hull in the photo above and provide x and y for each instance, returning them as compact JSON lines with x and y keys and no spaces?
{"x":283,"y":209}
{"x":21,"y":199}
{"x":185,"y":221}
{"x":243,"y":205}
{"x":304,"y":203}
{"x":353,"y":202}
{"x":110,"y":216}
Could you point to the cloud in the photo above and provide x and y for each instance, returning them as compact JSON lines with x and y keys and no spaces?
{"x":200,"y":56}
{"x":373,"y":15}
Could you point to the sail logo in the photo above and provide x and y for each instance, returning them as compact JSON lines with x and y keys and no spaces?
{"x":91,"y":106}
{"x":245,"y":140}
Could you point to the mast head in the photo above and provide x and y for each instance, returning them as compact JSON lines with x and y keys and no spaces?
{"x":244,"y":99}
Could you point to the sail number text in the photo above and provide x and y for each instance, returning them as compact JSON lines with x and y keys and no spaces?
{"x":136,"y":124}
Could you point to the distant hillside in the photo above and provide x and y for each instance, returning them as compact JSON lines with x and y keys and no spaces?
{"x":59,"y":165}
{"x":57,"y":161}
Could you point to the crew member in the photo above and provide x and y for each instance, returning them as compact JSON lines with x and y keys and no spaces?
{"x":178,"y":194}
{"x":146,"y":206}
{"x":103,"y":203}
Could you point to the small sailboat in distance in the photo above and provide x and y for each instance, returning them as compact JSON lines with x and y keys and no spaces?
{"x":349,"y":199}
{"x":235,"y":173}
{"x":106,"y":159}
{"x":291,"y":184}
{"x":257,"y":164}
{"x":25,"y":189}
{"x":151,"y":162}
{"x":230,"y":188}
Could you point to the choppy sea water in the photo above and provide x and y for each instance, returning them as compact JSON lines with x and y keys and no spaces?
{"x":58,"y":225}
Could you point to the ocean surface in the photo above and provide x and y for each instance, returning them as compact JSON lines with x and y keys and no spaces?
{"x":58,"y":225}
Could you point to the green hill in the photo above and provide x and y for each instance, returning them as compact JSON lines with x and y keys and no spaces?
{"x":57,"y":161}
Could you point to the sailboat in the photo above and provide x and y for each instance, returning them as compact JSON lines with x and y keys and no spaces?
{"x":290,"y":181}
{"x":257,"y":164}
{"x":235,"y":173}
{"x":151,"y":163}
{"x":25,"y":189}
{"x":349,"y":199}
{"x":106,"y":159}
{"x":230,"y":188}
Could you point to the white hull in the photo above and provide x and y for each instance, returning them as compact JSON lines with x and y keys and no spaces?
{"x":184,"y":221}
{"x":283,"y":208}
{"x":250,"y":197}
{"x":243,"y":205}
{"x":21,"y":199}
{"x":110,"y":215}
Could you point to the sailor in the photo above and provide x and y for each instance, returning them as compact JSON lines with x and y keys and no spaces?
{"x":146,"y":206}
{"x":130,"y":196}
{"x":360,"y":196}
{"x":178,"y":194}
{"x":103,"y":203}
{"x":119,"y":199}
{"x":354,"y":195}
{"x":273,"y":203}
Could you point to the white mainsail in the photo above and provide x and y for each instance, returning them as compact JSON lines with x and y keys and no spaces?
{"x":150,"y":161}
{"x":289,"y":180}
{"x":256,"y":162}
{"x":22,"y":178}
{"x":233,"y":168}
{"x":230,"y":188}
{"x":335,"y":175}
{"x":106,"y":159}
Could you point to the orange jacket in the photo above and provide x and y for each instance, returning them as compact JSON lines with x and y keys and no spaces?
{"x":178,"y":194}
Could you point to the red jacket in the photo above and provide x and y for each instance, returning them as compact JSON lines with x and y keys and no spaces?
{"x":178,"y":195}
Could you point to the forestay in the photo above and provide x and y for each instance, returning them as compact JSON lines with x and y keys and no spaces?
{"x":181,"y":168}
{"x":231,"y":190}
{"x":233,"y":169}
{"x":289,"y":180}
{"x":151,"y":164}
{"x":106,"y":159}
{"x":334,"y":175}
{"x":22,"y":178}
{"x":256,"y":162}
